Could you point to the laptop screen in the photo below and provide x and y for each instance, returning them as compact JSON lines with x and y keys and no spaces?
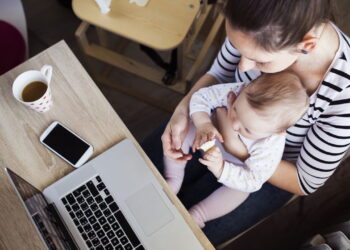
{"x":44,"y":215}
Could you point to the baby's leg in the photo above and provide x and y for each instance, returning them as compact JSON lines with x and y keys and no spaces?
{"x":174,"y":171}
{"x":220,"y":202}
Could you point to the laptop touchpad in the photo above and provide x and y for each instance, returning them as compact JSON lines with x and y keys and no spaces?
{"x":149,"y":209}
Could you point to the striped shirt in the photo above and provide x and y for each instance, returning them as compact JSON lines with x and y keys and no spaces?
{"x":317,"y":142}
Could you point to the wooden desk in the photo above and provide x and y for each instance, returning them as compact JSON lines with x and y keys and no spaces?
{"x":79,"y":104}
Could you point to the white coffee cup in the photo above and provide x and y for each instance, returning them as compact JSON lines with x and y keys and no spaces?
{"x":44,"y":102}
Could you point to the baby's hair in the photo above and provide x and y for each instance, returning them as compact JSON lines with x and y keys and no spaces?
{"x":281,"y":95}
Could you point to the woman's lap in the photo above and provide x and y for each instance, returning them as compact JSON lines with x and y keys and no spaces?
{"x":199,"y":183}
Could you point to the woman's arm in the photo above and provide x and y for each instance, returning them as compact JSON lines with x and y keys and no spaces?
{"x":286,"y":177}
{"x":223,"y":69}
{"x":176,"y":129}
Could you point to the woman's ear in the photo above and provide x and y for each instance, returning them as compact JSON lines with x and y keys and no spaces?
{"x":311,"y":39}
{"x":308,"y":44}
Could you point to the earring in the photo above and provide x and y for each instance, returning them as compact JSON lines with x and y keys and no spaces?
{"x":305,"y":52}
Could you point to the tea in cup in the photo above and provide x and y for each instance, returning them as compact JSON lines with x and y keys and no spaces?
{"x":32,"y":88}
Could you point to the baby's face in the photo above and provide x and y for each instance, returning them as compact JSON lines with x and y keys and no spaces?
{"x":247,"y":122}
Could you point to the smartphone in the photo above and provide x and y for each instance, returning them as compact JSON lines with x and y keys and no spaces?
{"x":66,"y":144}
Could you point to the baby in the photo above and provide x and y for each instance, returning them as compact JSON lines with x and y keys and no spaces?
{"x":261,"y":113}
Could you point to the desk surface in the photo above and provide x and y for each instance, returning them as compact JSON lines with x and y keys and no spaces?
{"x":161,"y":24}
{"x":78,"y":103}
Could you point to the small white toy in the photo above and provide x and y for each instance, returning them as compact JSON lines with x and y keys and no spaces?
{"x":207,"y":145}
{"x":141,"y":3}
{"x":104,"y":5}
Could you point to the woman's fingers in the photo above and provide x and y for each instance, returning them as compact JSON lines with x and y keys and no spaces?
{"x":176,"y":137}
{"x":170,"y":150}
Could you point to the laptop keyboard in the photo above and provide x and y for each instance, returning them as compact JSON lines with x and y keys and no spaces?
{"x":98,"y":218}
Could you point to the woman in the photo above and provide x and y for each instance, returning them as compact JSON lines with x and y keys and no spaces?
{"x":268,"y":36}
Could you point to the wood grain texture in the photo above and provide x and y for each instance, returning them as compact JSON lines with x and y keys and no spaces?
{"x":78,"y":104}
{"x":166,"y":22}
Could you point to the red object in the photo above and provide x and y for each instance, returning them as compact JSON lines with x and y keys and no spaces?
{"x":12,"y":47}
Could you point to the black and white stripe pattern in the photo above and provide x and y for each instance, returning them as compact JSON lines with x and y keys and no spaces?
{"x":318,"y":142}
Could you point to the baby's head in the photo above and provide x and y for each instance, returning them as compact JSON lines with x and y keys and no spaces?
{"x":269,"y":105}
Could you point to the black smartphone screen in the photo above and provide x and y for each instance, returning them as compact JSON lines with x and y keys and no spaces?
{"x":66,"y":144}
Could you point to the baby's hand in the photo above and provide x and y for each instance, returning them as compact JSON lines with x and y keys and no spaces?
{"x":214,"y":161}
{"x":205,"y":132}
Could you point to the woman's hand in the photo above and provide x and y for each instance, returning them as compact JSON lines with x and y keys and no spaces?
{"x":177,"y":127}
{"x":174,"y":135}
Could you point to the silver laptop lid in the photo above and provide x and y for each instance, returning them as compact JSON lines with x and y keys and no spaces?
{"x":43,"y":215}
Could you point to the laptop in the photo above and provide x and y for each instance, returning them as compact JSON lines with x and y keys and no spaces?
{"x":112,"y":202}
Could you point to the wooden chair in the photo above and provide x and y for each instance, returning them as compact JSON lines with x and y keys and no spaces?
{"x":148,"y":27}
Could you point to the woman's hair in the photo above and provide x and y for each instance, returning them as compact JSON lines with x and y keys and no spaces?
{"x":278,"y":24}
{"x":280,"y":95}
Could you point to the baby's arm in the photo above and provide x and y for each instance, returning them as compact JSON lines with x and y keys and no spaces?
{"x":264,"y":157}
{"x":202,"y":103}
{"x":205,"y":130}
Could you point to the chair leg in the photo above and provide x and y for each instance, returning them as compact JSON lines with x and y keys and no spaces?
{"x":204,"y":50}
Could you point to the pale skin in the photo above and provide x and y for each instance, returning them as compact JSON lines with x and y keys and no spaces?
{"x":242,"y":119}
{"x":320,"y":43}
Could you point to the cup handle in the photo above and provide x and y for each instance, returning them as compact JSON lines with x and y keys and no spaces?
{"x":46,"y":70}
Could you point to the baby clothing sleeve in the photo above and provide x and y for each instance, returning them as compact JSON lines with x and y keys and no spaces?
{"x":209,"y":98}
{"x":265,"y":155}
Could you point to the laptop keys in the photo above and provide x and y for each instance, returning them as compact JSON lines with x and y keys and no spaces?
{"x":128,"y":230}
{"x":123,"y":240}
{"x":110,"y":234}
{"x":128,"y":246}
{"x":98,"y":214}
{"x":104,"y":241}
{"x":102,"y":220}
{"x":109,"y":247}
{"x":92,"y":188}
{"x":75,"y":207}
{"x":95,"y":242}
{"x":99,"y":199}
{"x":111,"y":219}
{"x":80,"y":199}
{"x":109,"y":199}
{"x":92,"y":220}
{"x":98,"y":218}
{"x":101,"y":186}
{"x":96,"y":226}
{"x":100,"y":233}
{"x":79,"y":214}
{"x":115,"y":241}
{"x":86,"y":193}
{"x":114,"y":207}
{"x":115,"y":226}
{"x":106,"y":227}
{"x":70,"y":198}
{"x":92,"y":234}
